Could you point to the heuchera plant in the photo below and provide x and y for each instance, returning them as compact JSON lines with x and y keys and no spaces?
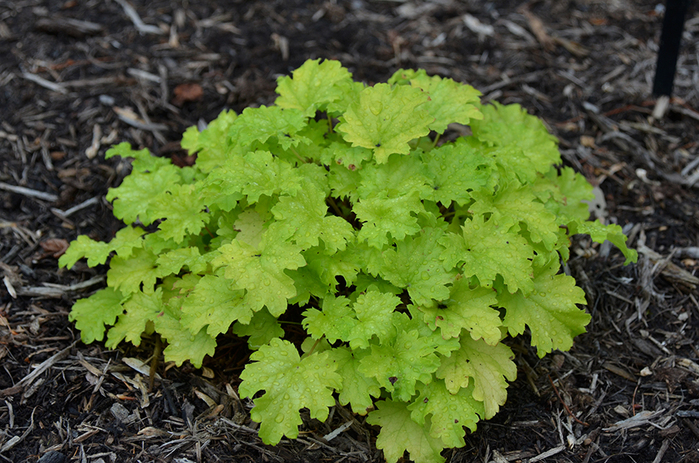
{"x":408,"y":261}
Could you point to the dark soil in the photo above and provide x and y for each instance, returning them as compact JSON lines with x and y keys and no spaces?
{"x":70,"y":90}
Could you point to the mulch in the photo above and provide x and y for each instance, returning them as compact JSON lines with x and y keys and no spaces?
{"x":79,"y":76}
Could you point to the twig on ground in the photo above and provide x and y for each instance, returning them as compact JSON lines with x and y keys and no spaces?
{"x":548,"y":453}
{"x":661,"y":452}
{"x":74,"y":209}
{"x":136,"y":19}
{"x":56,"y":291}
{"x":565,"y":405}
{"x":28,"y":192}
{"x":44,"y":83}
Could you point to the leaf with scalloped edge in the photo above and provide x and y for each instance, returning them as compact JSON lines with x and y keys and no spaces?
{"x":259,"y":124}
{"x":91,"y":314}
{"x":455,"y":170}
{"x":260,"y":271}
{"x":185,"y":212}
{"x":449,"y":412}
{"x":138,"y":272}
{"x":314,"y":86}
{"x":550,"y":310}
{"x":290,"y":384}
{"x":143,"y":160}
{"x":399,"y":176}
{"x":138,"y":195}
{"x":488,"y":366}
{"x":254,"y":174}
{"x":307,"y":213}
{"x":96,"y":252}
{"x":261,"y":330}
{"x":449,"y":101}
{"x":383,"y":216}
{"x":357,"y":389}
{"x":564,"y":194}
{"x":522,"y":145}
{"x":400,"y":433}
{"x":487,"y":250}
{"x":400,"y":361}
{"x":214,"y":305}
{"x":415,"y":264}
{"x":467,"y":309}
{"x":385,"y":119}
{"x":600,"y":233}
{"x":124,"y":242}
{"x":171,"y":262}
{"x":374,"y":312}
{"x":182,"y":344}
{"x":513,"y":203}
{"x":212,"y":145}
{"x":139,"y":310}
{"x":335,"y":321}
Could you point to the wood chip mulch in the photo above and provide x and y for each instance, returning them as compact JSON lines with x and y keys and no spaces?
{"x":79,"y":76}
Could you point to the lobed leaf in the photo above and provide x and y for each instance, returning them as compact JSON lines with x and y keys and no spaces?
{"x":290,"y":384}
{"x":400,"y":433}
{"x":384,"y":119}
{"x":550,"y":310}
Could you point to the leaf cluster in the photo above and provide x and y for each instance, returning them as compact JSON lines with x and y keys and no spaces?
{"x":407,"y":259}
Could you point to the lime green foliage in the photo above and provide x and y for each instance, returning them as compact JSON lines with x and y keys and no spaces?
{"x":407,"y":261}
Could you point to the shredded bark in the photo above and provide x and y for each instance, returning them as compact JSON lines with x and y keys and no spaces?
{"x":77,"y":77}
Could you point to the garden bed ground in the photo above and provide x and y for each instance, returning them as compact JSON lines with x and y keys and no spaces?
{"x":78,"y":76}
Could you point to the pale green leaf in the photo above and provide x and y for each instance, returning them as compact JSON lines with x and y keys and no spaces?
{"x":512,"y":204}
{"x":182,"y":344}
{"x":398,"y":363}
{"x":467,"y":308}
{"x":455,"y":170}
{"x":523,"y":145}
{"x":139,"y":310}
{"x":448,"y":102}
{"x":400,"y":433}
{"x":93,"y":313}
{"x":357,"y":389}
{"x":487,"y":366}
{"x":184,"y":213}
{"x":96,"y":252}
{"x":171,"y":262}
{"x":550,"y":310}
{"x":254,"y":174}
{"x":138,"y":195}
{"x":415,"y":264}
{"x":374,"y":312}
{"x":383,"y":216}
{"x":600,"y":233}
{"x":259,"y":124}
{"x":313,"y":86}
{"x":449,"y":412}
{"x":131,"y":275}
{"x":214,"y":305}
{"x":385,"y":119}
{"x":290,"y":384}
{"x":261,"y":271}
{"x":143,"y":160}
{"x":306,"y":213}
{"x":335,"y":321}
{"x":261,"y":330}
{"x":486,"y":250}
{"x":212,"y":145}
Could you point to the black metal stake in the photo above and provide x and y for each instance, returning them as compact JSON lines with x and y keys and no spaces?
{"x":670,"y":37}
